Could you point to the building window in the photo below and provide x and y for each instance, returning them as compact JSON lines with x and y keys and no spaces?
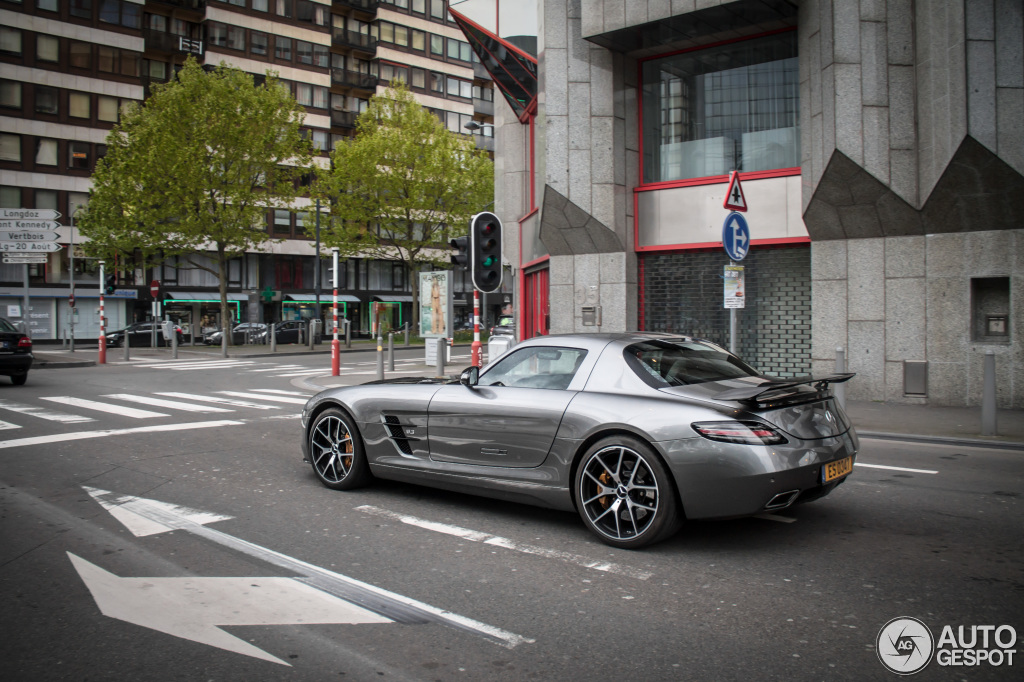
{"x":78,"y":155}
{"x":402,"y":36}
{"x":387,"y":32}
{"x":258,"y":43}
{"x":320,"y":139}
{"x":131,"y":15}
{"x":304,"y":94}
{"x":282,"y":222}
{"x":436,"y":81}
{"x":10,"y":40}
{"x":320,"y":97}
{"x":260,"y":5}
{"x":216,"y":33}
{"x":321,"y":56}
{"x":80,"y":55}
{"x":236,"y":38}
{"x":107,"y":108}
{"x":10,"y":197}
{"x":81,"y":9}
{"x":47,"y":99}
{"x":419,"y":78}
{"x":47,"y":48}
{"x":46,"y":152}
{"x":436,"y":44}
{"x":110,"y":11}
{"x":284,"y":8}
{"x":732,"y":107}
{"x":10,"y":147}
{"x":283,"y":48}
{"x":46,"y":198}
{"x":419,"y":6}
{"x":304,"y":52}
{"x":47,"y":5}
{"x":78,"y":105}
{"x":437,"y":9}
{"x":419,"y":39}
{"x":10,"y":94}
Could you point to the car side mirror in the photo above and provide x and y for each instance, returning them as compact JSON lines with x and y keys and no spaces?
{"x":470,"y":376}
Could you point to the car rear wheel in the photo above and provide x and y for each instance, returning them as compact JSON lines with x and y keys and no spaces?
{"x":336,"y":451}
{"x":624,"y":493}
{"x":19,"y":379}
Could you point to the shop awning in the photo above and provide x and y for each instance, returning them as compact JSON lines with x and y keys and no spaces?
{"x":325,"y":298}
{"x":393,"y":299}
{"x":204,"y":296}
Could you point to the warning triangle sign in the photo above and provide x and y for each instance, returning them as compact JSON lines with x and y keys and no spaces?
{"x":734,"y":199}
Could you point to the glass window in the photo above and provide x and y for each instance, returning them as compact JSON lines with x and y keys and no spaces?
{"x":732,"y":107}
{"x":157,"y":70}
{"x":453,"y":48}
{"x":284,"y":8}
{"x":10,"y":40}
{"x":216,"y":33}
{"x":465,"y":89}
{"x":419,"y":78}
{"x":157,"y":22}
{"x":48,"y":5}
{"x":46,"y":152}
{"x":260,"y":5}
{"x":304,"y":52}
{"x":282,"y":221}
{"x":10,"y":147}
{"x":436,"y":82}
{"x":304,"y":94}
{"x":283,"y":47}
{"x":46,"y":198}
{"x":258,"y":43}
{"x":402,"y":36}
{"x":129,"y":63}
{"x":321,"y":55}
{"x":418,"y":40}
{"x":320,"y":139}
{"x":545,"y":367}
{"x":419,"y":6}
{"x":107,"y":61}
{"x":81,"y":9}
{"x":236,"y":38}
{"x":110,"y":11}
{"x":465,"y":53}
{"x":10,"y":94}
{"x":10,"y":197}
{"x":320,"y":97}
{"x":78,"y":105}
{"x":679,"y":362}
{"x":131,"y":15}
{"x":107,"y":108}
{"x":47,"y":99}
{"x":453,"y":86}
{"x":437,"y":9}
{"x":436,"y":44}
{"x":387,"y":32}
{"x":80,"y":55}
{"x":47,"y":48}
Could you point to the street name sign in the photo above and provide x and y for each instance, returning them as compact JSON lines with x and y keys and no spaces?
{"x":33,"y":258}
{"x":28,"y":214}
{"x":29,"y":224}
{"x":20,"y":235}
{"x":29,"y":247}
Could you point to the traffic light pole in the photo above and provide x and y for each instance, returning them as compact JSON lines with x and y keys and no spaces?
{"x":102,"y":358}
{"x":476,"y":328}
{"x":335,"y":346}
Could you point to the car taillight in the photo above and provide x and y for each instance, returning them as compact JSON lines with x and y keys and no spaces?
{"x":750,"y":433}
{"x":24,"y":342}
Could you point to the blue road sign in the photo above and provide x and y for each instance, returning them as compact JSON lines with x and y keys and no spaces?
{"x":736,"y":236}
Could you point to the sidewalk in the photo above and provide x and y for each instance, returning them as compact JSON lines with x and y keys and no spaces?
{"x":939,"y":425}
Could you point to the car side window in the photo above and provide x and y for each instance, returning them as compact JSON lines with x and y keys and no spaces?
{"x":536,"y":367}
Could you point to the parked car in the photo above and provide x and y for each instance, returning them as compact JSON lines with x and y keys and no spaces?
{"x":289,"y":330}
{"x":15,"y":353}
{"x":505,"y":326}
{"x":634,"y":431}
{"x":247,"y":332}
{"x":141,"y":335}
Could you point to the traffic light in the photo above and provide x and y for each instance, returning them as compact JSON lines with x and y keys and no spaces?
{"x":461,"y":257}
{"x":485,"y":252}
{"x":109,"y":284}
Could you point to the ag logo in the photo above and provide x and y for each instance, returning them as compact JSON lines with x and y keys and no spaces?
{"x":905,"y":645}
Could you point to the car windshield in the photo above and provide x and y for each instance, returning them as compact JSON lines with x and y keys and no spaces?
{"x":679,"y":362}
{"x":6,"y":326}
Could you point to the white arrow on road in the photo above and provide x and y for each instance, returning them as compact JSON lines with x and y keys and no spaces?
{"x":145,"y":517}
{"x":194,"y":608}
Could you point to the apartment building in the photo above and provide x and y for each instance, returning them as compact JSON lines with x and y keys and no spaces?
{"x":67,"y":67}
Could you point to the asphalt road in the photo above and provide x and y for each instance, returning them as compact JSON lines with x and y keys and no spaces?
{"x":128,"y":539}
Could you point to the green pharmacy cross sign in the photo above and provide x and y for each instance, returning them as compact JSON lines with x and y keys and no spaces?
{"x":267,"y":294}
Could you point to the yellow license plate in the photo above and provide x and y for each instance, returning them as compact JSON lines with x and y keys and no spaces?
{"x":836,"y":469}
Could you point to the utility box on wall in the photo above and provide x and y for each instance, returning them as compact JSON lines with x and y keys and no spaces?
{"x":915,"y":377}
{"x":591,"y":315}
{"x":990,"y":309}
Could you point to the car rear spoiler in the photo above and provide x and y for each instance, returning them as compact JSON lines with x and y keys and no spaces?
{"x":751,"y":393}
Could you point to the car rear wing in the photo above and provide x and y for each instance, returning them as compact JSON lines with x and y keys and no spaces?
{"x":752,"y":393}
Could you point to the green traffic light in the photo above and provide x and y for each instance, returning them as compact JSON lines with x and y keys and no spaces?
{"x":489,"y":261}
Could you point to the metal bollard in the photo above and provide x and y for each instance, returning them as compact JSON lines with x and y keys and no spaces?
{"x":391,"y":351}
{"x":174,"y":342}
{"x":442,"y":352}
{"x":348,"y":333}
{"x":839,"y":390}
{"x":127,"y":353}
{"x":407,"y":327}
{"x":988,"y":396}
{"x":312,"y":333}
{"x":273,"y":338}
{"x":380,"y":358}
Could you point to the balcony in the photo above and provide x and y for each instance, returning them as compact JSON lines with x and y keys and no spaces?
{"x":353,"y":79}
{"x":483,"y":106}
{"x":341,"y":37}
{"x":343,"y":119}
{"x":168,"y":43}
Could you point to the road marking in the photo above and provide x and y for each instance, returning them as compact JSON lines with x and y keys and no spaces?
{"x":277,"y":390}
{"x":82,"y":435}
{"x":398,"y":608}
{"x":104,"y":407}
{"x":304,"y":373}
{"x":193,"y":608}
{"x":168,"y":404}
{"x":195,"y":364}
{"x":272,"y":398}
{"x":4,"y":426}
{"x":882,"y":466}
{"x":497,"y":541}
{"x":277,"y":368}
{"x":219,"y":401}
{"x":49,"y":415}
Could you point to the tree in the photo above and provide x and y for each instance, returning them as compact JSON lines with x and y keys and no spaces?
{"x":195,"y":168}
{"x":403,"y":186}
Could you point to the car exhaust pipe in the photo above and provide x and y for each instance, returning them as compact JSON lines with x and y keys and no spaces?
{"x":782,"y":500}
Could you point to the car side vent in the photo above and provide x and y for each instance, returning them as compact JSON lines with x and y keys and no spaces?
{"x":396,"y":433}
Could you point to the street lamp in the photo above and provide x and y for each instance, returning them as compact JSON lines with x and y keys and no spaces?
{"x":473,"y":126}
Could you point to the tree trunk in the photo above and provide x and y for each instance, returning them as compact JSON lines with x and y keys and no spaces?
{"x":414,"y":283}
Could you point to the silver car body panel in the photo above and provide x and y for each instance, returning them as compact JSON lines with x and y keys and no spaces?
{"x":521,"y":444}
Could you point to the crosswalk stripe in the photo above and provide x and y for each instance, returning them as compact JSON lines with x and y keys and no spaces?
{"x":49,"y":415}
{"x":104,"y":407}
{"x":277,"y":390}
{"x":277,"y":368}
{"x":257,"y":396}
{"x":168,"y":404}
{"x":218,"y":400}
{"x":79,"y":435}
{"x":214,"y":364}
{"x":8,"y":425}
{"x":304,"y":373}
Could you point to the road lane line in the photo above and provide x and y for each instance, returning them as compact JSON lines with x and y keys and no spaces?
{"x":202,"y":364}
{"x":104,"y":407}
{"x":49,"y":415}
{"x":277,"y":390}
{"x":82,"y":435}
{"x":882,"y":466}
{"x":219,"y":401}
{"x":272,"y":398}
{"x":497,"y":541}
{"x":168,"y":404}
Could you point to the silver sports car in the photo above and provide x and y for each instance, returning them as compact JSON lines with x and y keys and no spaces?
{"x":635,"y":431}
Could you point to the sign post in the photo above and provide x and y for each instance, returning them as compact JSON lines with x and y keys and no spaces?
{"x":154,"y":289}
{"x":102,"y":359}
{"x":736,"y":242}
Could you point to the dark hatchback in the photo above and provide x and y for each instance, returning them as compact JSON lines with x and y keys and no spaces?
{"x":15,"y":353}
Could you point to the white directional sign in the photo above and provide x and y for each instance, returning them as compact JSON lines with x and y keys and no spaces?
{"x":29,"y":224}
{"x":29,"y":247}
{"x":28,"y":214}
{"x":193,"y":608}
{"x":34,"y":235}
{"x":35,"y":258}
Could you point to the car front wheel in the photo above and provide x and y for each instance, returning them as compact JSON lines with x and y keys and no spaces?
{"x":336,"y":451}
{"x":624,"y":493}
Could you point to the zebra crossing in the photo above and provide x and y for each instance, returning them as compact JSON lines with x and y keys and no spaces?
{"x":68,"y":409}
{"x":285,"y":370}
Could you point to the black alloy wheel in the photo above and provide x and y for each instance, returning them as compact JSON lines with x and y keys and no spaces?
{"x":336,"y":451}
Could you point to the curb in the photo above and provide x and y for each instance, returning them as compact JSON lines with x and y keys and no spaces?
{"x":942,"y":440}
{"x":62,"y":364}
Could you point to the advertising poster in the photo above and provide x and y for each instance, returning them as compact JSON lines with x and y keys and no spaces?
{"x":435,"y":304}
{"x":734,"y":294}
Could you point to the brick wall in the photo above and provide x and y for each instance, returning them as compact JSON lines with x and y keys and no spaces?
{"x":682,"y":293}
